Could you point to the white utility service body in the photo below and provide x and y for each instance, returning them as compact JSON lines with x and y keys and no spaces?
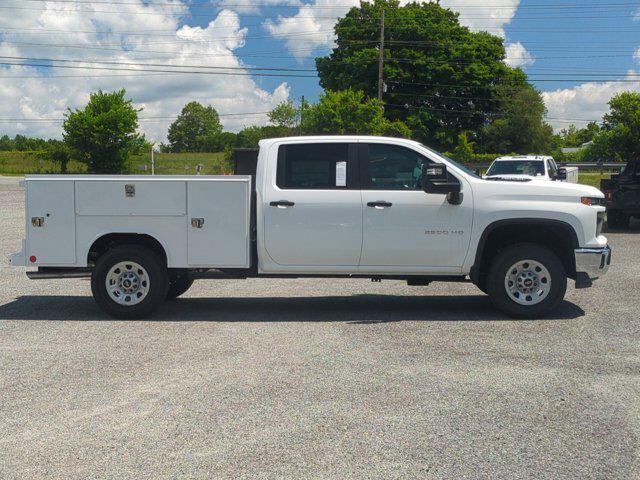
{"x":321,"y":206}
{"x":521,"y":167}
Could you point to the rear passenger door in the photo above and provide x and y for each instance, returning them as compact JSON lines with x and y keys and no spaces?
{"x":312,"y":208}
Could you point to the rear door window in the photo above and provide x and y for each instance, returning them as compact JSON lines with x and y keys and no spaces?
{"x":317,"y":166}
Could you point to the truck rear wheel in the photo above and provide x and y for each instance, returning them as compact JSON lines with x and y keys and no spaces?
{"x":526,"y":281}
{"x":178,"y":284}
{"x":129,"y":281}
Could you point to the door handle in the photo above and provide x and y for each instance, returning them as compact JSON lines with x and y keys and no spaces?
{"x":282,"y":204}
{"x":379,"y":204}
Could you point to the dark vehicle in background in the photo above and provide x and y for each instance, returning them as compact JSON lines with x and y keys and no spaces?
{"x":622,"y":195}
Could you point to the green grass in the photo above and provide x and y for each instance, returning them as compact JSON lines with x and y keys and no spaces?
{"x":21,"y":163}
{"x":180,"y":163}
{"x":592,"y":178}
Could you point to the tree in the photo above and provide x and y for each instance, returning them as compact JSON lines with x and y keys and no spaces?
{"x":440,"y":77}
{"x":250,"y":136}
{"x":520,"y":126}
{"x":575,"y":137}
{"x":58,"y":152}
{"x":195,"y":129}
{"x":284,"y":114}
{"x":464,"y":150}
{"x":349,"y":112}
{"x":104,"y":132}
{"x":619,"y":138}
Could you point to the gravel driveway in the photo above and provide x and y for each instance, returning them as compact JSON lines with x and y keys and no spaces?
{"x":317,"y":379}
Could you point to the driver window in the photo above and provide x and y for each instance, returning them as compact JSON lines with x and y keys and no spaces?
{"x":392,"y":167}
{"x":553,"y":169}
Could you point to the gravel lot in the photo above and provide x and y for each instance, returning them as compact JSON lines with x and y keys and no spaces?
{"x":317,"y":379}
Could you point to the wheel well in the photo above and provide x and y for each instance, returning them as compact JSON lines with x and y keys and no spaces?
{"x":111,"y":240}
{"x":559,"y":237}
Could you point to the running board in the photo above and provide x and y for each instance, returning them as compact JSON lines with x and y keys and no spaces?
{"x":53,"y":272}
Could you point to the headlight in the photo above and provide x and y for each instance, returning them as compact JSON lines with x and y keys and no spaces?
{"x":593,"y":201}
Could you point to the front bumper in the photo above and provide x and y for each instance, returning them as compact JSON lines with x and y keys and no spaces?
{"x":591,"y":264}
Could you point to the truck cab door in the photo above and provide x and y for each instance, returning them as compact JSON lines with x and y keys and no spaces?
{"x":406,"y":230}
{"x":312,"y":209}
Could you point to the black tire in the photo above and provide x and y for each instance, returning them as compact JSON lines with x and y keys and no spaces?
{"x":617,"y":219}
{"x":505,"y":260}
{"x":178,"y":284}
{"x":155,"y":270}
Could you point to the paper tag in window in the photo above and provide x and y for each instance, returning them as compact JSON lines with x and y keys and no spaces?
{"x":341,"y":174}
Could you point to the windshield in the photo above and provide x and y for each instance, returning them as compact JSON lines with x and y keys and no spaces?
{"x":517,"y":167}
{"x":468,"y":171}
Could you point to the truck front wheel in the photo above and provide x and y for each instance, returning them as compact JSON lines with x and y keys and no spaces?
{"x":129,"y":281}
{"x":526,"y":281}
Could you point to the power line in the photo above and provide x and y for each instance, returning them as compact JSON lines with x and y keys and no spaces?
{"x":195,"y":72}
{"x":105,"y":62}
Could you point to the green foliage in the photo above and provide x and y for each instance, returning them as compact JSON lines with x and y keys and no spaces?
{"x":58,"y":152}
{"x":619,"y":138}
{"x":20,"y":143}
{"x":574,"y":137}
{"x":349,"y":112}
{"x":464,"y":150}
{"x":196,"y":129}
{"x":104,"y":132}
{"x":284,"y":115}
{"x":476,"y":158}
{"x":140,"y":145}
{"x":250,"y":136}
{"x":440,"y":76}
{"x":520,"y":128}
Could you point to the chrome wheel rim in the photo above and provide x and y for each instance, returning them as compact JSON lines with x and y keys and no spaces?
{"x":527,"y":282}
{"x":127,"y":283}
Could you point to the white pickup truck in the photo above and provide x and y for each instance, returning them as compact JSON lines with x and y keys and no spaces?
{"x":335,"y":206}
{"x":523,"y":167}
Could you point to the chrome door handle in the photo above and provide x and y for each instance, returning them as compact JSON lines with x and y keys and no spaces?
{"x":380,"y":204}
{"x":282,"y":204}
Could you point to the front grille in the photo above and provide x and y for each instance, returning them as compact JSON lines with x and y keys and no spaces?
{"x":600,"y":223}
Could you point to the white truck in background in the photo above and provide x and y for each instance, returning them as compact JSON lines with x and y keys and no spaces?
{"x":331,"y":207}
{"x":522,"y":167}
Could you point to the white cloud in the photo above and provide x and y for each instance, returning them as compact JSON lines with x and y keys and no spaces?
{"x":583,"y":103}
{"x":518,"y":56}
{"x":60,"y":30}
{"x":311,"y":28}
{"x":636,"y":54}
{"x":489,"y":15}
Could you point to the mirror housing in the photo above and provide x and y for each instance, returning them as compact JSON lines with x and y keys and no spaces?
{"x":436,"y":180}
{"x":562,"y":174}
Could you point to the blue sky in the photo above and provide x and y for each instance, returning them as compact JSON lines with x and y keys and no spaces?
{"x":576,"y":52}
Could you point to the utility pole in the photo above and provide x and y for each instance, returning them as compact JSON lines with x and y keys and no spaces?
{"x":381,"y":58}
{"x":301,"y":110}
{"x":153,"y":162}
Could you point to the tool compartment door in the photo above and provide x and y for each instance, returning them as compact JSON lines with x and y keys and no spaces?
{"x":219,"y":222}
{"x":52,"y":203}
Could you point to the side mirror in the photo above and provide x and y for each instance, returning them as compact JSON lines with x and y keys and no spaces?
{"x":435,"y":180}
{"x":562,"y":174}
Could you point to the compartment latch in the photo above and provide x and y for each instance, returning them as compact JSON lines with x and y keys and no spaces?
{"x":37,"y":221}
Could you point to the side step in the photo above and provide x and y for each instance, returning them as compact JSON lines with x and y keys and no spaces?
{"x":55,"y":272}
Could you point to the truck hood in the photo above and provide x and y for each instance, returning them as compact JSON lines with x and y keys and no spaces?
{"x":538,"y":187}
{"x":512,"y":176}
